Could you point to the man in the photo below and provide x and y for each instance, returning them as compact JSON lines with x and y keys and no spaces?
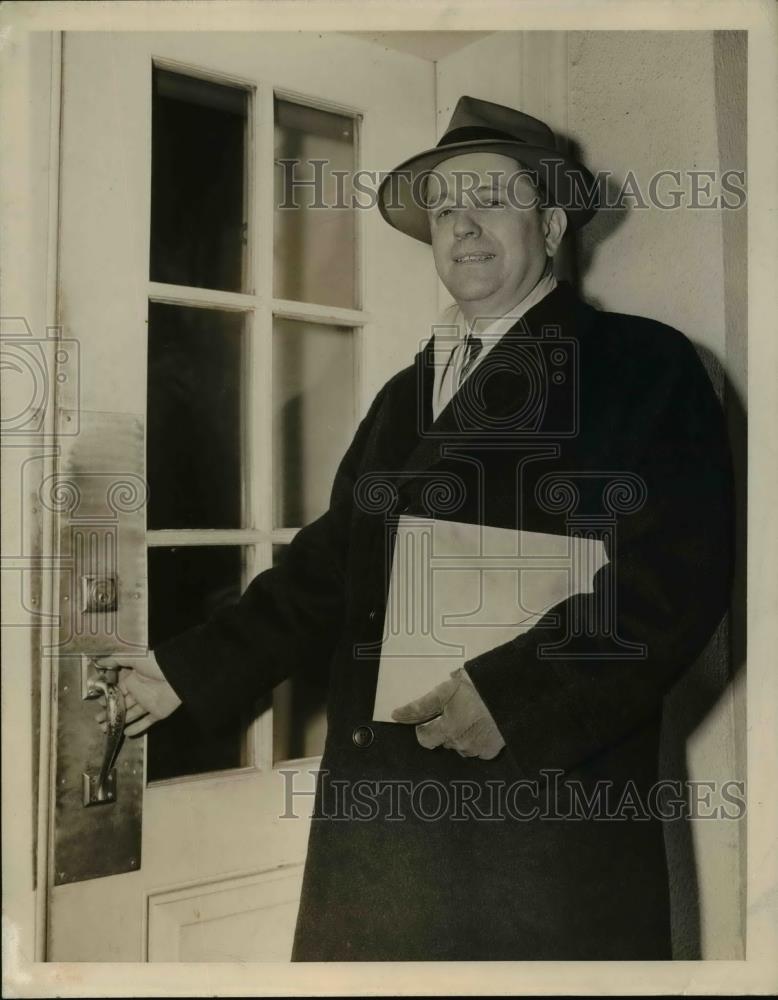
{"x":551,"y":419}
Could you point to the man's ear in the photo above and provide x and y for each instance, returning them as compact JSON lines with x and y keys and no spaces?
{"x":554,"y":226}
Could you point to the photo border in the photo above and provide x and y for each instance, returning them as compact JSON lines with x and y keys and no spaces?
{"x":758,"y":973}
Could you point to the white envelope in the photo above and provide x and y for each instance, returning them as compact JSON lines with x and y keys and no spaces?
{"x":457,"y":590}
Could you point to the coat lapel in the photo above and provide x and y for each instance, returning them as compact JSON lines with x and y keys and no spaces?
{"x":507,"y":394}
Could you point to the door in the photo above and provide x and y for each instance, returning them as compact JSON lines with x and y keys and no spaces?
{"x":230,"y":333}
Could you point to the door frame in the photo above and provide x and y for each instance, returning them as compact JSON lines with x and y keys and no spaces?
{"x":44,"y":77}
{"x":541,"y":84}
{"x":32,"y":174}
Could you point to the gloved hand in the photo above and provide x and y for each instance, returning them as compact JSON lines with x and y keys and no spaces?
{"x":458,"y":719}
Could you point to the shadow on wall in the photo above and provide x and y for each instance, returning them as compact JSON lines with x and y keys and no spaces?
{"x":578,"y":250}
{"x":700,"y":688}
{"x":703,"y":685}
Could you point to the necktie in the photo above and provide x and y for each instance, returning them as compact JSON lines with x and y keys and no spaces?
{"x":472,"y":349}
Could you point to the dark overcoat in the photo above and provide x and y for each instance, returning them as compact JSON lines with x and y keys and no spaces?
{"x":580,"y":421}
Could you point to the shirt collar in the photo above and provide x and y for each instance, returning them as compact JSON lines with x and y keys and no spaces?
{"x":453,"y":327}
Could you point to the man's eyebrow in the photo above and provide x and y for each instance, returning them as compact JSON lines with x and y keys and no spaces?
{"x":448,"y":196}
{"x":485,"y":186}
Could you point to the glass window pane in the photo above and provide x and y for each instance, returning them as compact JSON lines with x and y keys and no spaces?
{"x":299,"y":712}
{"x":198,"y":203}
{"x":186,"y":586}
{"x":194,"y":417}
{"x":314,"y":247}
{"x":313,"y":415}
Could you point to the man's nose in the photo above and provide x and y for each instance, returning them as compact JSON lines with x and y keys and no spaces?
{"x":465,"y":224}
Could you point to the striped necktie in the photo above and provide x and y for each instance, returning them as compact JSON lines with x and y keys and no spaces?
{"x":473,"y":347}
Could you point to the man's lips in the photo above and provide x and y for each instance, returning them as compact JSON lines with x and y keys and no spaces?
{"x":475,"y":257}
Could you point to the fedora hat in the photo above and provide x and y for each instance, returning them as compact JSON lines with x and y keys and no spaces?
{"x":482,"y":126}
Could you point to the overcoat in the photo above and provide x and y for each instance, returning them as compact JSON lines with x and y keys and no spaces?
{"x":581,"y":421}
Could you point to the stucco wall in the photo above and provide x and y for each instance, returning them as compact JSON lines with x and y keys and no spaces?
{"x":648,"y":101}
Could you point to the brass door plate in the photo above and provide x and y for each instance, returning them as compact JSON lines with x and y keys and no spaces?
{"x":99,"y":494}
{"x":92,"y":842}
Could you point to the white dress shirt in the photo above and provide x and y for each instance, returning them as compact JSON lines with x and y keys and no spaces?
{"x":449,"y":340}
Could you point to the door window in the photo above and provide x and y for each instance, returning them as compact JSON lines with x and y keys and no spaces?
{"x":251,"y":396}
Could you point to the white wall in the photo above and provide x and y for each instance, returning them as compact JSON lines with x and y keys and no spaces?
{"x":645,"y":102}
{"x":648,"y":101}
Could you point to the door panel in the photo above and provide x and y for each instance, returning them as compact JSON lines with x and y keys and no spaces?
{"x":233,"y":920}
{"x":155,"y":311}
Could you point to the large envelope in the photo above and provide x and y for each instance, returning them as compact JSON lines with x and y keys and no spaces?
{"x":458,"y":590}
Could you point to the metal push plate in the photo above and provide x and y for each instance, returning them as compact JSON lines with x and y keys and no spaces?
{"x":92,"y":841}
{"x":99,"y":494}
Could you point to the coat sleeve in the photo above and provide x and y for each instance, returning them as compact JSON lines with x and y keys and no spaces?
{"x":669,"y":574}
{"x":288,"y":620}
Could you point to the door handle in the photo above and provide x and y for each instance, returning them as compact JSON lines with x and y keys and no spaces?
{"x":98,"y":497}
{"x":100,"y":788}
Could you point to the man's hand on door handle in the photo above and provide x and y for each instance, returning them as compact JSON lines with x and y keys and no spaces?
{"x":148,"y":696}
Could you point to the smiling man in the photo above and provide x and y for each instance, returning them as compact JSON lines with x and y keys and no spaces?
{"x":508,"y":812}
{"x":491,"y":243}
{"x":493,"y":248}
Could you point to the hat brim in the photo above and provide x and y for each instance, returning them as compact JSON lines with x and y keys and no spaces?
{"x":567,"y":184}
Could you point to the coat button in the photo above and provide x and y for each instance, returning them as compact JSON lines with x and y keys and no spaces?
{"x":362,"y":737}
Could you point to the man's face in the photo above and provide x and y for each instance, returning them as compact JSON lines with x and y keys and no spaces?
{"x":489,"y":251}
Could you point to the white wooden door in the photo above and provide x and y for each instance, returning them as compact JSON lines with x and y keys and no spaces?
{"x":250,"y":342}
